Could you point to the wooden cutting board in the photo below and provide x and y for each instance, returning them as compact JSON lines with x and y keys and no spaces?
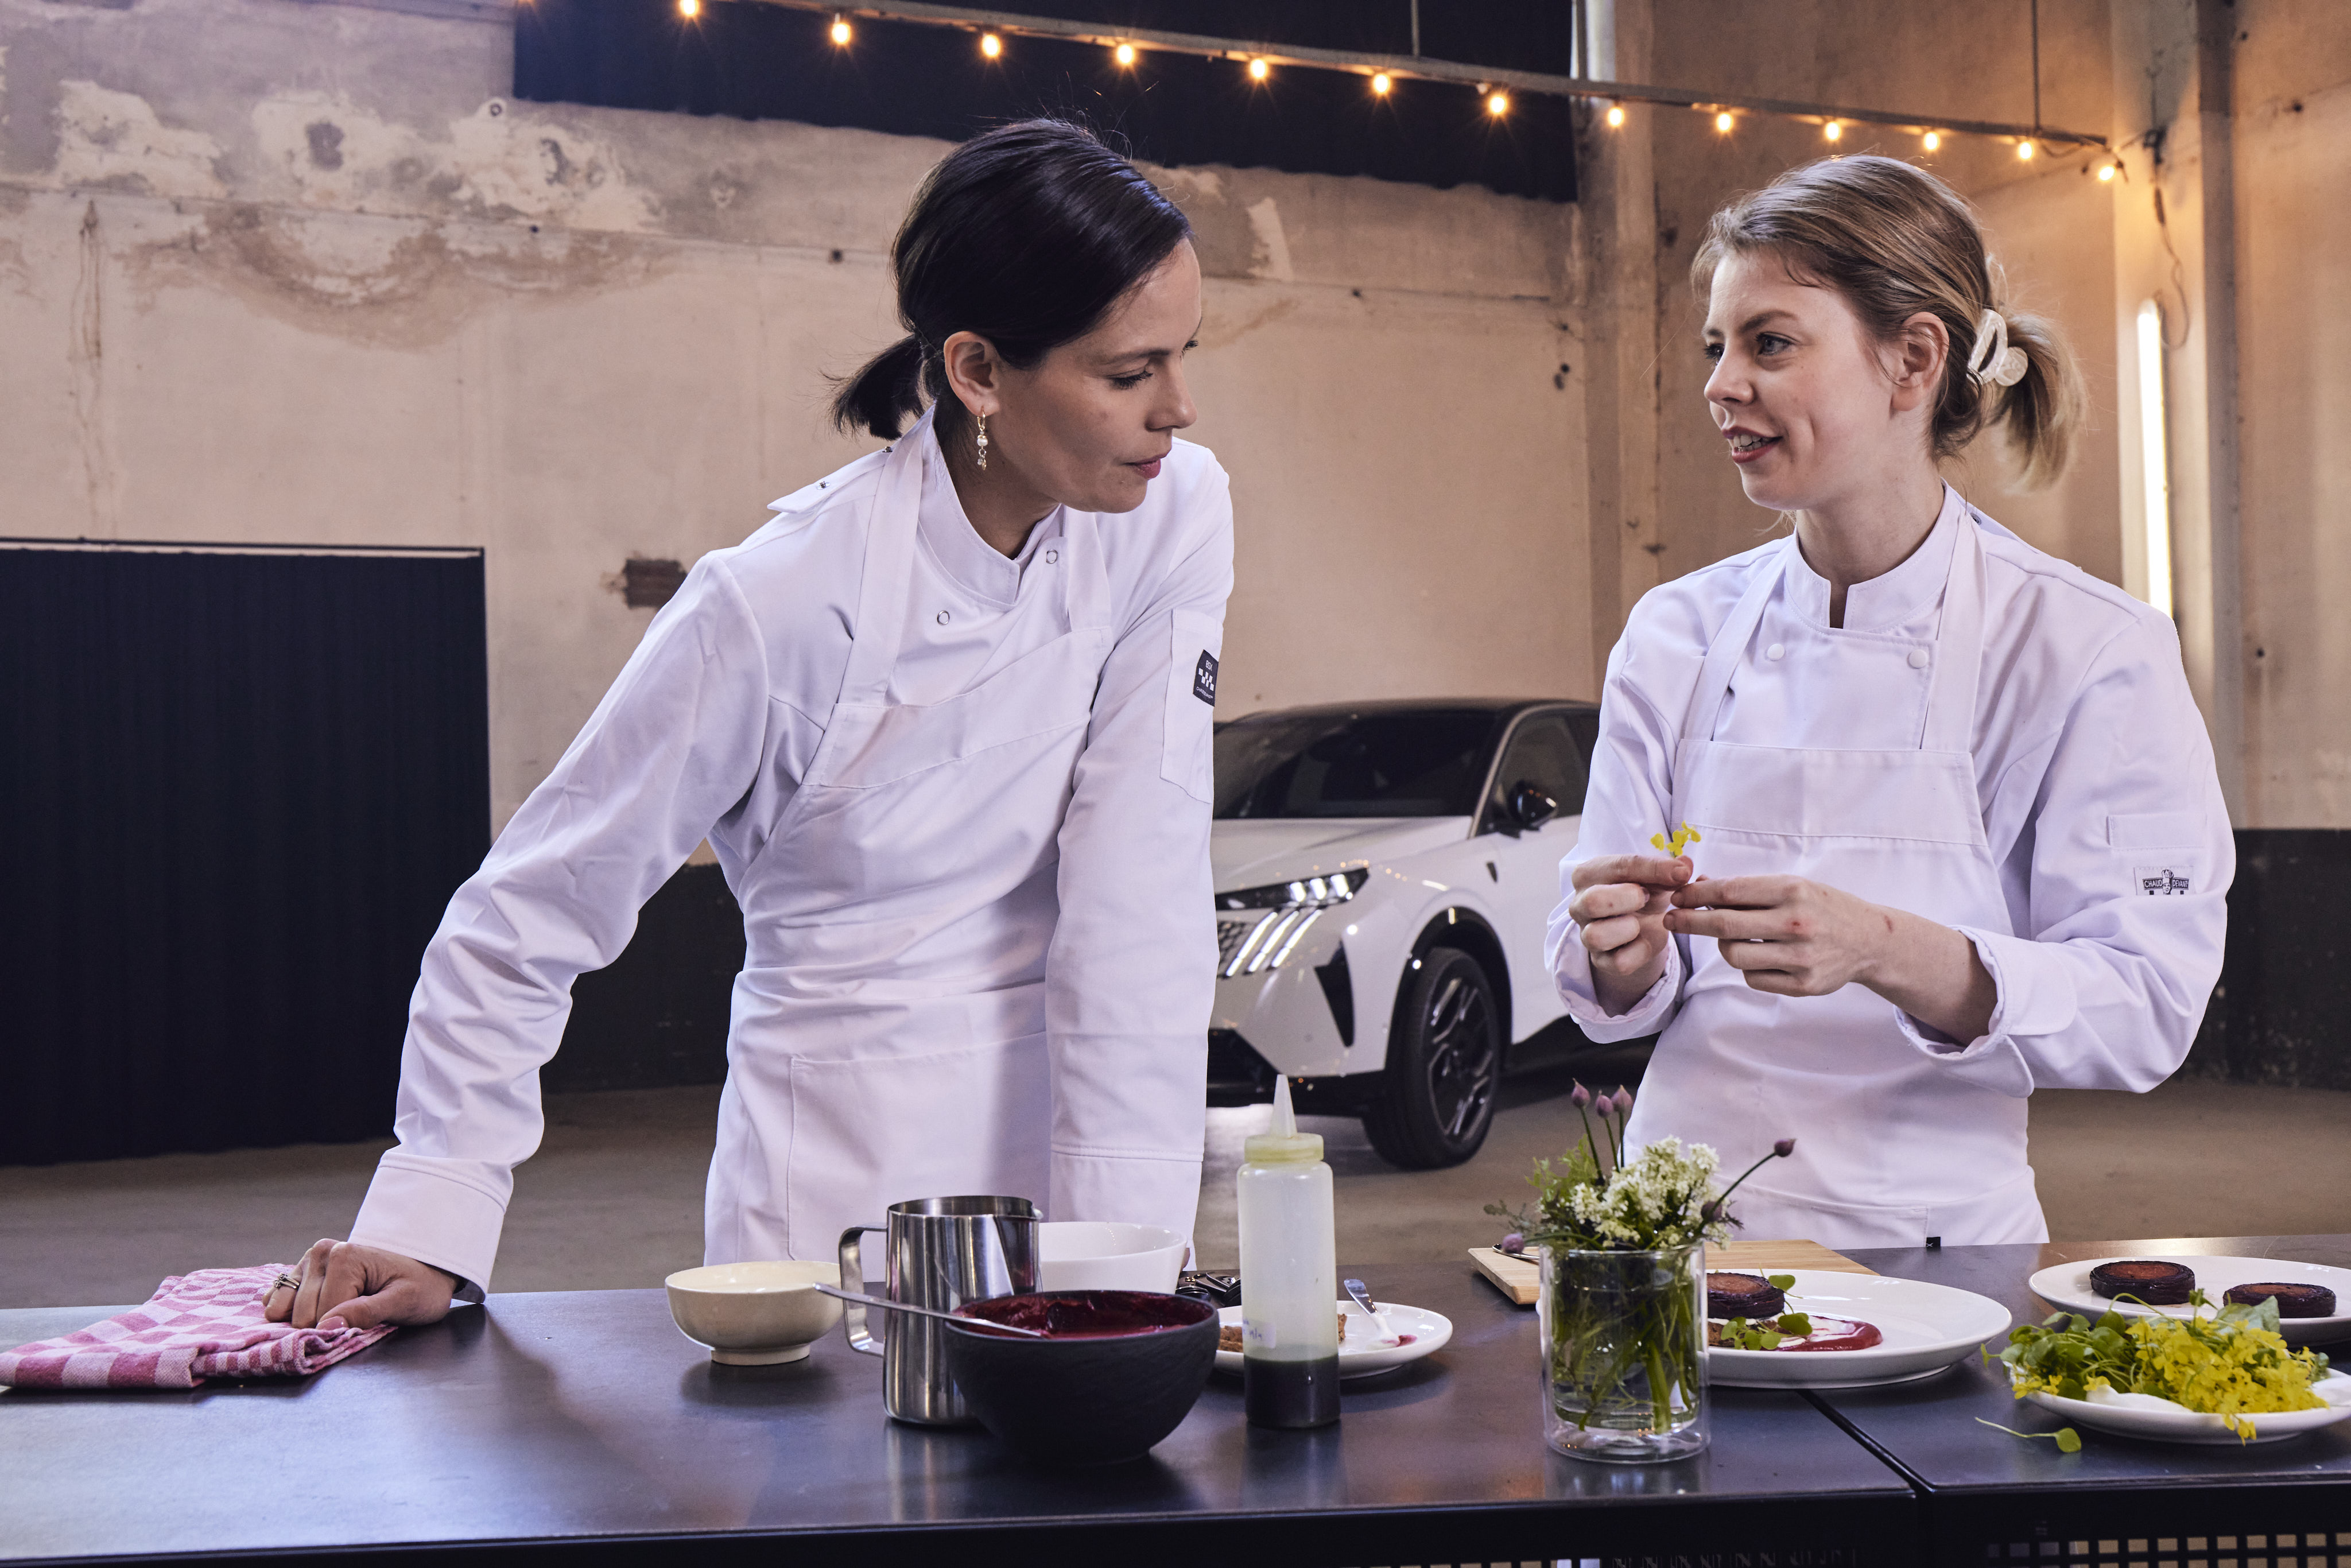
{"x":1515,"y":1276}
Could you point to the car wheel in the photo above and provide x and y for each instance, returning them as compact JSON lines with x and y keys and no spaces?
{"x":1436,"y":1100}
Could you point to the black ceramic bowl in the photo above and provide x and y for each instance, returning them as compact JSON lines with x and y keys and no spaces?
{"x":1121,"y":1370}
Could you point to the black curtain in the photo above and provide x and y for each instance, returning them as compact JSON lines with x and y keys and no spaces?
{"x":238,"y":791}
{"x":768,"y":62}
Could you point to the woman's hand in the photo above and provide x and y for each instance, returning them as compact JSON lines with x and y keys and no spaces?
{"x":1619,"y":910}
{"x":363,"y":1286}
{"x":1794,"y":937}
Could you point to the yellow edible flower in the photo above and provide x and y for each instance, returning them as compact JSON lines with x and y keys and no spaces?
{"x":1684,"y":836}
{"x":2228,"y":1374}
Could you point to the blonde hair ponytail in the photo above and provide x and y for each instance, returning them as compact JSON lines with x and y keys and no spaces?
{"x":1895,"y":241}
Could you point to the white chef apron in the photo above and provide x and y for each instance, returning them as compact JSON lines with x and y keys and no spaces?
{"x":887,"y":1039}
{"x":1892,"y":1148}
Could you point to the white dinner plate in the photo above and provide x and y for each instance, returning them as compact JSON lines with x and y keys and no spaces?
{"x":2166,"y":1423}
{"x":1925,"y":1329}
{"x":1359,"y":1355}
{"x":2067,"y":1285}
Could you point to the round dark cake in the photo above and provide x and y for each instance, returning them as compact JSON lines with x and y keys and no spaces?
{"x":2294,"y":1301}
{"x":2155,"y":1283}
{"x":1749,"y":1296}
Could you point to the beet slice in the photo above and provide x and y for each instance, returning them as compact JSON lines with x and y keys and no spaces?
{"x":1749,"y":1296}
{"x":2158,"y":1284}
{"x":2294,"y":1301}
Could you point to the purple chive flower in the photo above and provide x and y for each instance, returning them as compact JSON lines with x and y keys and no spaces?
{"x":1580,"y":1098}
{"x":1623,"y":1101}
{"x":1515,"y":1241}
{"x":1784,"y":1148}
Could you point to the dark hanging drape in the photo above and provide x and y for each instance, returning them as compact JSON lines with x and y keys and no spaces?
{"x":236,"y":792}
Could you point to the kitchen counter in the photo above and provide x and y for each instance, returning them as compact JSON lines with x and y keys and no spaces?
{"x":1985,"y":1495}
{"x":585,"y":1426}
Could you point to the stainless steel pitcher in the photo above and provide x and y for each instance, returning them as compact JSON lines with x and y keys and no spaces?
{"x":938,"y":1252}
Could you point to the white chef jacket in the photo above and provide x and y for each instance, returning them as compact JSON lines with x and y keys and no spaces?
{"x":709,"y":730}
{"x":2100,"y":802}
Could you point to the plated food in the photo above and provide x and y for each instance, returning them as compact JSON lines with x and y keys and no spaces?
{"x":2205,"y":1375}
{"x":1362,"y":1351}
{"x":1921,"y":1329}
{"x":2156,"y":1281}
{"x":2310,"y":1314}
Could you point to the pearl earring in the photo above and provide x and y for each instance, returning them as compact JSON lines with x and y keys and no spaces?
{"x":983,"y":441}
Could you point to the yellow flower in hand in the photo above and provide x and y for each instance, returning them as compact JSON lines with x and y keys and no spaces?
{"x":1683,"y":837}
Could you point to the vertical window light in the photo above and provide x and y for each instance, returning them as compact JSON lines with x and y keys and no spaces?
{"x":2152,"y":457}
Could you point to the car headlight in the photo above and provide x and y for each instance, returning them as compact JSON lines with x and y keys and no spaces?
{"x":1258,"y":927}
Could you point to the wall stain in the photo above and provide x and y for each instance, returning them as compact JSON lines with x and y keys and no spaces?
{"x":326,"y":143}
{"x":1220,"y":327}
{"x":395,"y":282}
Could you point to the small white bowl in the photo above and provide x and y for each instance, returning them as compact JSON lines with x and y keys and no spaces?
{"x":754,"y":1315}
{"x":1107,"y":1255}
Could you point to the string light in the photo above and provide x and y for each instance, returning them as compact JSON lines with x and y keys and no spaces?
{"x":689,"y":9}
{"x":1723,"y":122}
{"x":2025,"y":151}
{"x":990,"y":44}
{"x":1498,"y":104}
{"x":1932,"y":140}
{"x":1832,"y":130}
{"x":841,"y":34}
{"x":2105,"y":172}
{"x":1260,"y":70}
{"x":1124,"y":54}
{"x":1616,"y":115}
{"x":1381,"y":82}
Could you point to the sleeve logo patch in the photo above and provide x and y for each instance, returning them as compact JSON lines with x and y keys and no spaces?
{"x":2164,"y":881}
{"x":1203,"y":678}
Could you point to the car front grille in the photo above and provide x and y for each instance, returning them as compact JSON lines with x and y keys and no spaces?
{"x":1230,"y":935}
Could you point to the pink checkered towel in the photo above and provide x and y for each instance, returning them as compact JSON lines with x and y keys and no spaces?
{"x":201,"y":1325}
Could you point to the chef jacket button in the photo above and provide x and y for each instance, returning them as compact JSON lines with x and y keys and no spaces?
{"x":942,"y":617}
{"x":1051,"y":556}
{"x":1776,"y":651}
{"x":1917,"y":658}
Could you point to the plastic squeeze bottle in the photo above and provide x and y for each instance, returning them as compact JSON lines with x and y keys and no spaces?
{"x":1290,"y":1276}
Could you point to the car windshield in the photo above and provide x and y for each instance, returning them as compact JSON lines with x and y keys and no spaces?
{"x":1330,"y":762}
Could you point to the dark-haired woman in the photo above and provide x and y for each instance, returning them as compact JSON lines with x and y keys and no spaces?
{"x":1960,"y":834}
{"x":946,"y":722}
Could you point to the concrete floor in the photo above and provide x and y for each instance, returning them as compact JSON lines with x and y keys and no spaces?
{"x":614,"y":1197}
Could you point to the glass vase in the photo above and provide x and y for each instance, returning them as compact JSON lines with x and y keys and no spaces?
{"x":1624,"y":1351}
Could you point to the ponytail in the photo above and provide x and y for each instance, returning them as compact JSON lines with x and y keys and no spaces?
{"x":885,"y":393}
{"x":2042,"y":412}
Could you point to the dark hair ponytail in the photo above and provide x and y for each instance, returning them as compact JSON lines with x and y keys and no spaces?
{"x":1027,"y":236}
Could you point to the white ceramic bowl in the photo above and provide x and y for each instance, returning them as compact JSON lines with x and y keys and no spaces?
{"x":1107,"y":1255}
{"x":754,"y":1315}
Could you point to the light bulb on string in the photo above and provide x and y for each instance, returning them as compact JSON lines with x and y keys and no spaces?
{"x":841,"y":33}
{"x":1723,"y":122}
{"x":1258,"y":70}
{"x":689,"y":9}
{"x":2105,"y":172}
{"x":1616,"y":115}
{"x":1381,"y":83}
{"x":1498,"y":104}
{"x":2025,"y":151}
{"x":1932,"y":140}
{"x":1124,"y":54}
{"x":990,"y":44}
{"x":1832,"y":130}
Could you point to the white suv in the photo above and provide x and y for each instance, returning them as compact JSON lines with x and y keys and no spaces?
{"x":1384,"y":873}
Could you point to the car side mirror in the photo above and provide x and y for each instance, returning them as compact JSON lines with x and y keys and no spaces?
{"x":1529,"y":807}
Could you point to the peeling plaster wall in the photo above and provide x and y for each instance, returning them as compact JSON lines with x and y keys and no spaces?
{"x":296,"y":273}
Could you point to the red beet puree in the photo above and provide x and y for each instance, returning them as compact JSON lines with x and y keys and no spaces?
{"x":1836,"y":1334}
{"x":1090,"y":1314}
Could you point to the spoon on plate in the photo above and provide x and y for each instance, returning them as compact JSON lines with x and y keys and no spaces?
{"x":864,"y":1300}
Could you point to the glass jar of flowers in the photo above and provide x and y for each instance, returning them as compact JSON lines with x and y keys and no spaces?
{"x":1620,"y":1241}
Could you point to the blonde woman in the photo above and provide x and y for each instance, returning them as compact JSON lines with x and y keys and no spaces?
{"x":1960,"y":835}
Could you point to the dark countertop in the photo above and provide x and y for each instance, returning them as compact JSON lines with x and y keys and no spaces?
{"x":586,"y":1419}
{"x":2010,"y":1485}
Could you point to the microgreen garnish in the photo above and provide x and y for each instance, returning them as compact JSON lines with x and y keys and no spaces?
{"x":1738,"y":1333}
{"x":2068,"y":1440}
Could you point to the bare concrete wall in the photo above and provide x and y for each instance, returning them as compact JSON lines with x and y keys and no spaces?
{"x":299,"y":273}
